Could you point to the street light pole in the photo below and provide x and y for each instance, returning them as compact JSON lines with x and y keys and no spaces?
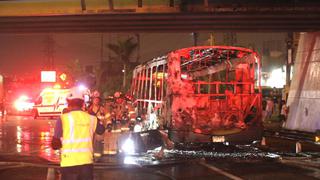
{"x":289,"y":60}
{"x":102,"y":48}
{"x":124,"y":76}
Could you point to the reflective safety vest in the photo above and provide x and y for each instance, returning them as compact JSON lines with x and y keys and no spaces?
{"x":78,"y":129}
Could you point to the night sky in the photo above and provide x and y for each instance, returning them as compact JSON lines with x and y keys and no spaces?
{"x":24,"y":54}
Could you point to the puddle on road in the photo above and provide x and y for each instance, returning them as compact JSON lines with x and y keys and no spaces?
{"x":27,"y":137}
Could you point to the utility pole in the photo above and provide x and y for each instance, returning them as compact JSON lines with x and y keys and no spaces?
{"x":101,"y":48}
{"x":124,"y":74}
{"x":195,"y":38}
{"x":49,"y":44}
{"x":212,"y":39}
{"x":289,"y":60}
{"x":138,"y":48}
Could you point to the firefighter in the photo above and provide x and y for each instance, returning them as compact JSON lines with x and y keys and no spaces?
{"x":107,"y":115}
{"x":118,"y":109}
{"x":119,"y":105}
{"x":73,"y":134}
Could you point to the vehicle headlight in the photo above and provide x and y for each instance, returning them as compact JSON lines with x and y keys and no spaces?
{"x":22,"y":105}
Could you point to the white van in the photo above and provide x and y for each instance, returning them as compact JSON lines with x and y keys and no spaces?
{"x":51,"y":102}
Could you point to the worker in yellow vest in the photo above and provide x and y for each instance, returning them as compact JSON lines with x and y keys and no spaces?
{"x":74,"y":136}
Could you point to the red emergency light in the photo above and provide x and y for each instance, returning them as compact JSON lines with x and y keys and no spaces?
{"x":48,"y":76}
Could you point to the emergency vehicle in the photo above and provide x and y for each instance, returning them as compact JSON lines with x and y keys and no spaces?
{"x":51,"y":102}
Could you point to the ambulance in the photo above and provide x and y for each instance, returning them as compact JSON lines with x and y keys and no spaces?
{"x":50,"y":102}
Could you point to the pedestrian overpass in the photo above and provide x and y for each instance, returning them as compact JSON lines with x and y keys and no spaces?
{"x":36,"y":16}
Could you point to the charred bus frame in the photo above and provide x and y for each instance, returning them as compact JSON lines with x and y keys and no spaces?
{"x":203,"y":93}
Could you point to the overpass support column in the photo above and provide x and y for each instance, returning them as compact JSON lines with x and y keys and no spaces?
{"x":304,"y":94}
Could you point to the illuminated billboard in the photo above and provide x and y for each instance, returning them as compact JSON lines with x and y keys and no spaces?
{"x":48,"y":76}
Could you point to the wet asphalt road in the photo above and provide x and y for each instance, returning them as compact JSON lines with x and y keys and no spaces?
{"x":22,"y":135}
{"x":25,"y":140}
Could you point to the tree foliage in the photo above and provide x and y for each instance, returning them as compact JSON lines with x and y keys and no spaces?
{"x":123,"y":50}
{"x":75,"y":70}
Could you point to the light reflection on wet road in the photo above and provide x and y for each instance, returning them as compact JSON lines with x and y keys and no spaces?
{"x":22,"y":135}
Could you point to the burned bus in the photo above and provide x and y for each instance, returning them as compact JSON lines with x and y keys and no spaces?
{"x":202,"y":94}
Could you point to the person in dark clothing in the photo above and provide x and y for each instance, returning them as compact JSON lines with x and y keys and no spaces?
{"x":97,"y":110}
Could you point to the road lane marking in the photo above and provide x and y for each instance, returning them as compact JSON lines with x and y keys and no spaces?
{"x":220,"y":171}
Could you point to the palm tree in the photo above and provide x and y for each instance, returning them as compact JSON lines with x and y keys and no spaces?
{"x":75,"y":69}
{"x":123,"y":51}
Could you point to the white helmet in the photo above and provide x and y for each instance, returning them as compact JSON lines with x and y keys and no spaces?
{"x":77,"y":93}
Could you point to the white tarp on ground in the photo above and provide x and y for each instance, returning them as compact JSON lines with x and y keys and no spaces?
{"x":304,"y":94}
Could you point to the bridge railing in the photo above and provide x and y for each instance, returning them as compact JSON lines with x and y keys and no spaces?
{"x":57,"y":7}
